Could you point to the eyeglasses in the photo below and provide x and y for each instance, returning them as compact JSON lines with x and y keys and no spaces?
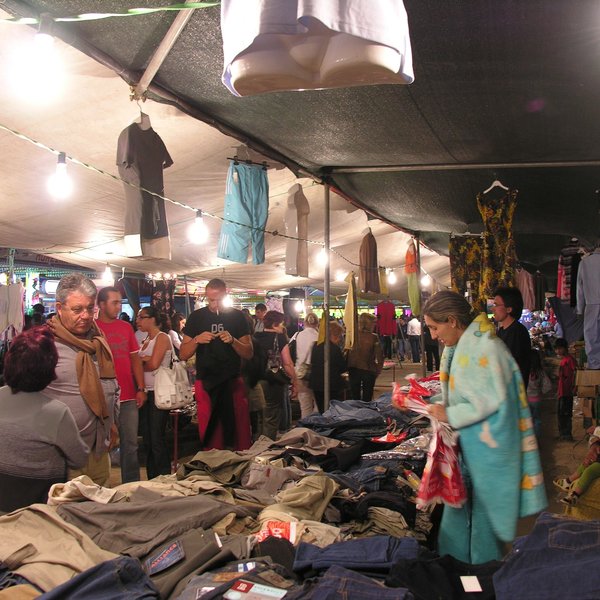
{"x":78,"y":310}
{"x":498,"y":305}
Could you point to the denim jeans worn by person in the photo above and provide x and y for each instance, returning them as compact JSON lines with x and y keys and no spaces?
{"x":128,"y":433}
{"x":153,"y":423}
{"x":415,"y":346}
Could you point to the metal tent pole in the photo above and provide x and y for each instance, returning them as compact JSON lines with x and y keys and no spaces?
{"x":180,"y":21}
{"x":326,"y":291}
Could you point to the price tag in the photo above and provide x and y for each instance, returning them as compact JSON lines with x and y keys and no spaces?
{"x":470,"y":583}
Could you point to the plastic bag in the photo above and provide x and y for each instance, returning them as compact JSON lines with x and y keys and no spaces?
{"x":441,"y":480}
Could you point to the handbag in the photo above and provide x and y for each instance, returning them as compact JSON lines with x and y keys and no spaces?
{"x":172,"y":389}
{"x":275,"y":372}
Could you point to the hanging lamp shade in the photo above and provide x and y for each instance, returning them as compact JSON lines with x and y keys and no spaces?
{"x":270,"y":45}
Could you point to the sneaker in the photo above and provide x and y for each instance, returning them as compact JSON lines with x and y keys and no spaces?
{"x":569,"y":499}
{"x":562,"y":484}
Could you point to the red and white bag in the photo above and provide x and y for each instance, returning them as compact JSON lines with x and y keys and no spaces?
{"x":442,"y":480}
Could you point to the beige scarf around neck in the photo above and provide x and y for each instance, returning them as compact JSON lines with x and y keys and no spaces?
{"x":88,"y":376}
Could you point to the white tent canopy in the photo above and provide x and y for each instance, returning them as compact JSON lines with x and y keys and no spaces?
{"x":87,"y":228}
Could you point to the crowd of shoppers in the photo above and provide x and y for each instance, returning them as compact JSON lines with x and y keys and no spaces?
{"x":90,"y":381}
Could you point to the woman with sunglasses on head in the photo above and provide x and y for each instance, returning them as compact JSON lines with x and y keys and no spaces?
{"x":156,"y":351}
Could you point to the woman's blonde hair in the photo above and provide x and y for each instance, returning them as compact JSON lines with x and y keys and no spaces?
{"x":311,"y":320}
{"x":445,"y":304}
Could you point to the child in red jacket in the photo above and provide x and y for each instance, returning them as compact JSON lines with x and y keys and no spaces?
{"x":566,"y":383}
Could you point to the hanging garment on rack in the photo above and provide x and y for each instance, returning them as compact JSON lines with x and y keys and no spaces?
{"x":311,"y":44}
{"x":541,"y":287}
{"x":526,"y":287}
{"x":350,"y":313}
{"x":410,"y":269}
{"x":383,"y":283}
{"x":465,"y":268}
{"x":296,"y":226}
{"x":386,"y":318}
{"x":568,"y":265}
{"x":141,"y":158}
{"x":499,"y":258}
{"x":274,"y":303}
{"x":16,"y":313}
{"x":588,"y":304}
{"x":3,"y":307}
{"x":368,"y":275}
{"x":246,"y":212}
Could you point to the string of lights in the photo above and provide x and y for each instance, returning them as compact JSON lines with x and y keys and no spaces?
{"x":198,"y":213}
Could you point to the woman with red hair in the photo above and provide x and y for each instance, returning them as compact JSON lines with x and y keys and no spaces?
{"x":39,"y":439}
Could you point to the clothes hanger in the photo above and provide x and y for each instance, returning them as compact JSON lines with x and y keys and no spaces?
{"x":143,"y":121}
{"x":496,"y":183}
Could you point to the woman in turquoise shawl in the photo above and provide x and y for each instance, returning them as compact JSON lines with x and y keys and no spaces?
{"x":483,"y":398}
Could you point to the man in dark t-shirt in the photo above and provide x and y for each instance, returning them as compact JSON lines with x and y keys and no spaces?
{"x":220,"y":337}
{"x":508,"y":307}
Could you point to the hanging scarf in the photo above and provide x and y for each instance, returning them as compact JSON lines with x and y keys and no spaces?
{"x":351,"y":313}
{"x":88,"y":376}
{"x":410,"y":269}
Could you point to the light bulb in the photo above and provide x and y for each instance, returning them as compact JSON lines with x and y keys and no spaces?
{"x":59,"y":184}
{"x":340,"y":276}
{"x":108,"y":277}
{"x":167,"y":276}
{"x":425,"y":281}
{"x":299,"y":306}
{"x":198,"y":231}
{"x":228,"y":301}
{"x":322,"y":257}
{"x":36,"y":73}
{"x":391,"y":277}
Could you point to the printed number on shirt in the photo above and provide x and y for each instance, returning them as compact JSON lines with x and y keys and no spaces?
{"x":214,"y":328}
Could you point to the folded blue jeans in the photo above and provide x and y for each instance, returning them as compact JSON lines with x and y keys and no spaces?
{"x":338,"y":583}
{"x":558,"y":559}
{"x":375,"y":553}
{"x":118,"y":579}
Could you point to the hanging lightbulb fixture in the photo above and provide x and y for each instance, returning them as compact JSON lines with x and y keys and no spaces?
{"x":107,"y":277}
{"x":36,"y":72}
{"x":60,"y":184}
{"x":198,"y":231}
{"x":322,"y":257}
{"x":426,"y":280}
{"x":391,"y":277}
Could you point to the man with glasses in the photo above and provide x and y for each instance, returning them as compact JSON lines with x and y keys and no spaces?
{"x":85,"y":374}
{"x":508,"y":307}
{"x":130,"y":376}
{"x":220,"y":337}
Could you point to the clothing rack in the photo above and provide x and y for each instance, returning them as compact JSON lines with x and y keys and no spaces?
{"x":237,"y":160}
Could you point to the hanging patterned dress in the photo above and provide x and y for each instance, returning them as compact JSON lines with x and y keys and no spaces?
{"x":499,"y":257}
{"x":465,"y":268}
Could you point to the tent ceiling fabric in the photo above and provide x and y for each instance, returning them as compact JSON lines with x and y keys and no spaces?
{"x":497,"y":82}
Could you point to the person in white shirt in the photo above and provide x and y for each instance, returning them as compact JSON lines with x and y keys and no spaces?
{"x":413,"y":331}
{"x":305,"y":340}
